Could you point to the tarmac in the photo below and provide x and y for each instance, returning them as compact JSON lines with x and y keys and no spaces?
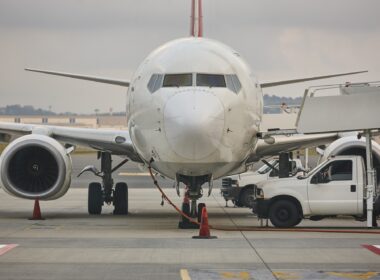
{"x":147,"y":244}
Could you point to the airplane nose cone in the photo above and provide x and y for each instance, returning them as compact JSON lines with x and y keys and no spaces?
{"x":194,"y":123}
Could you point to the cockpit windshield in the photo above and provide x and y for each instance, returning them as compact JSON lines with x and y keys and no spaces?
{"x":178,"y":80}
{"x":230,"y":81}
{"x":210,"y":80}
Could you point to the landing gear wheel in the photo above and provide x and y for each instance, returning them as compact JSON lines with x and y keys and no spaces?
{"x":186,"y":208}
{"x":200,"y":208}
{"x":185,"y":223}
{"x":95,"y":198}
{"x":120,"y":199}
{"x":284,"y":214}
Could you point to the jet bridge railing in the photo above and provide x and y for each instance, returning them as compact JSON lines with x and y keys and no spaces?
{"x":354,"y":108}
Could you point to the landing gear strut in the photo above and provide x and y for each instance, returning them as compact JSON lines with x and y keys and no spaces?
{"x":193,"y":192}
{"x":98,"y":194}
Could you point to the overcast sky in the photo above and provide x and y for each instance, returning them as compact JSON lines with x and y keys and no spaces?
{"x":279,"y":39}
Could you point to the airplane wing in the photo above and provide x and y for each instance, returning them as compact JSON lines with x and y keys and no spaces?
{"x":289,"y":143}
{"x":286,"y":82}
{"x":82,"y":77}
{"x":117,"y":142}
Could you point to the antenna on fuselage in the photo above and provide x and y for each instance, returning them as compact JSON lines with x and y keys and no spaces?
{"x":196,"y":28}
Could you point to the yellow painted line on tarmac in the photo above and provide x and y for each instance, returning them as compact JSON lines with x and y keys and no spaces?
{"x":133,"y":174}
{"x":185,"y":274}
{"x":354,"y":275}
{"x":286,"y":275}
{"x":244,"y":275}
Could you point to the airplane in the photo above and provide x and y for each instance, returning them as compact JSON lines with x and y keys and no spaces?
{"x":194,"y":111}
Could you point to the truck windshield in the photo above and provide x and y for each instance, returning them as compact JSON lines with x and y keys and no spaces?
{"x":265,"y":168}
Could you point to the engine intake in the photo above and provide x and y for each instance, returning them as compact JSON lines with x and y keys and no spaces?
{"x":35,"y":166}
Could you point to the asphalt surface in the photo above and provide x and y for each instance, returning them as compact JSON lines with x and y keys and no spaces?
{"x":147,"y":244}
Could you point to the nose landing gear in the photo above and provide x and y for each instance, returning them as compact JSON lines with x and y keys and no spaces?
{"x":193,"y":192}
{"x":98,"y":194}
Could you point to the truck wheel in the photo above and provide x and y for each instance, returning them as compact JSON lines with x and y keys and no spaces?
{"x":246,"y":196}
{"x":284,"y":213}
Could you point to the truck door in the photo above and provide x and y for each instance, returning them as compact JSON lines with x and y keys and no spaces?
{"x":333,"y":189}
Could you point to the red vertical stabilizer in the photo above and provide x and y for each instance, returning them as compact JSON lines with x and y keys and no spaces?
{"x":196,"y":18}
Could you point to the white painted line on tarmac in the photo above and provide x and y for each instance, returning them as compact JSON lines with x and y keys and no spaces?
{"x":133,"y":174}
{"x":6,"y":248}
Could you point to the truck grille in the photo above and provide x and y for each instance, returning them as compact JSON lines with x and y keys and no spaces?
{"x":228,"y":182}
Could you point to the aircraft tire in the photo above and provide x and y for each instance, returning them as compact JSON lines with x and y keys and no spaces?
{"x":95,"y":198}
{"x":120,"y":199}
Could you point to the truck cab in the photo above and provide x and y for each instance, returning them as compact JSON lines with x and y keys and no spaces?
{"x":241,"y":188}
{"x":334,"y":187}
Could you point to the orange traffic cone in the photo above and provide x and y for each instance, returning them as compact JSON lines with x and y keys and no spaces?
{"x":36,"y":211}
{"x":204,"y":230}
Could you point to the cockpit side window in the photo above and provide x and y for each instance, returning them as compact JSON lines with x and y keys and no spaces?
{"x":178,"y":80}
{"x":210,"y":80}
{"x":155,"y":82}
{"x":233,"y":83}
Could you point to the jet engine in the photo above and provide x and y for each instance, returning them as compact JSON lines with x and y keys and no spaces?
{"x":35,"y":166}
{"x":351,"y":145}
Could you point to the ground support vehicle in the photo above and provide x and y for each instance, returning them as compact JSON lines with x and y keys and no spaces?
{"x":335,"y":187}
{"x":240,"y":189}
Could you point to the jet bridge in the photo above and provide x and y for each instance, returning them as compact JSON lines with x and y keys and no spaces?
{"x":355,"y":108}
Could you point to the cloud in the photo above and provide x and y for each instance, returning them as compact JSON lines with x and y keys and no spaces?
{"x":279,"y":39}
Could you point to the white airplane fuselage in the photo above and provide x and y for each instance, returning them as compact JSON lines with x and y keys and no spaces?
{"x":194,"y":130}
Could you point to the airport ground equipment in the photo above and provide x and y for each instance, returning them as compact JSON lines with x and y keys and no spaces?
{"x":241,"y":188}
{"x":354,"y":111}
{"x":107,"y":192}
{"x":335,"y":187}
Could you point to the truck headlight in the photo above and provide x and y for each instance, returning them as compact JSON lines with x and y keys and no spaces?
{"x":259,"y":193}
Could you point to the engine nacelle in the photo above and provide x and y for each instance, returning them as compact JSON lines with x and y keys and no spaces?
{"x":351,"y":145}
{"x":35,"y":166}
